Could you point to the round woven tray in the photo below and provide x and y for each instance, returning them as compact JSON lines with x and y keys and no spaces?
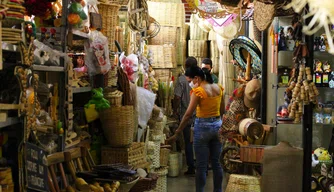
{"x":243,"y":183}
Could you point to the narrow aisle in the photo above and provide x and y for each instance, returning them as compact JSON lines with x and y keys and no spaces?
{"x":187,"y":184}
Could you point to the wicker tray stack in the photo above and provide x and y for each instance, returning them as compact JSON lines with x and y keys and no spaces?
{"x":11,"y":36}
{"x":171,"y":17}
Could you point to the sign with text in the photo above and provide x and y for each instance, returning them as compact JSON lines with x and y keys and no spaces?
{"x":36,"y":168}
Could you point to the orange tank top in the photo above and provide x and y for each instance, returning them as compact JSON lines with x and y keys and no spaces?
{"x":208,"y":106}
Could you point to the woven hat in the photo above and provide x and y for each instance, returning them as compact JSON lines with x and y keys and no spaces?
{"x":244,"y":43}
{"x":229,"y":30}
{"x":266,"y":10}
{"x":252,"y":94}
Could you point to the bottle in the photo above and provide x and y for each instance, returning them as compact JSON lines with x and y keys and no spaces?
{"x":285,"y":78}
{"x":326,"y":73}
{"x":318,"y":73}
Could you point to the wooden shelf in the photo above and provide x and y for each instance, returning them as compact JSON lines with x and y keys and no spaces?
{"x":48,"y":68}
{"x":79,"y":35}
{"x":10,"y":47}
{"x":9,"y":121}
{"x":82,"y":89}
{"x":4,"y":106}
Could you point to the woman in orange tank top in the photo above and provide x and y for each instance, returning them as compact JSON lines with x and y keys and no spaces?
{"x":208,"y":101}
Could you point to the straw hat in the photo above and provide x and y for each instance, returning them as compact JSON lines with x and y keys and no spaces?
{"x":252,"y":94}
{"x":229,"y":30}
{"x":266,"y":10}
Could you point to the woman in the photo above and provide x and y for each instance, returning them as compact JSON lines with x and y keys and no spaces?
{"x":207,"y":98}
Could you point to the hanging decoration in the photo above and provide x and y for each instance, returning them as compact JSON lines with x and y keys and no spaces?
{"x":323,"y":17}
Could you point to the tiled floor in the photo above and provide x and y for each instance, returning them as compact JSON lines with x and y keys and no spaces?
{"x":187,"y":184}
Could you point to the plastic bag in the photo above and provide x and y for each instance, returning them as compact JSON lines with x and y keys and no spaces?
{"x":45,"y":55}
{"x":97,"y":57}
{"x":130,"y":65}
{"x":146,"y":101}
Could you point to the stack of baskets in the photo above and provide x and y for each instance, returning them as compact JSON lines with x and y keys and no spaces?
{"x":197,"y":45}
{"x":171,"y":17}
{"x":214,"y":52}
{"x":133,"y":156}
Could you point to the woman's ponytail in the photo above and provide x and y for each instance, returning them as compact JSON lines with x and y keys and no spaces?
{"x":207,"y":75}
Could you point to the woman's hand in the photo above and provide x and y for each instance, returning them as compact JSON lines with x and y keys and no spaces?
{"x":171,"y":139}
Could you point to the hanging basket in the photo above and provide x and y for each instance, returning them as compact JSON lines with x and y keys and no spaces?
{"x":118,"y":125}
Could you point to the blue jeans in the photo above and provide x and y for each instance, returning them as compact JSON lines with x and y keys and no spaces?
{"x":206,"y":140}
{"x":188,"y":148}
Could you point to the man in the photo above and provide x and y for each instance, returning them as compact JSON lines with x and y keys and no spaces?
{"x":207,"y":63}
{"x":181,"y":102}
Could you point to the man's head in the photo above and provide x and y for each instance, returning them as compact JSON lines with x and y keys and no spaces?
{"x":190,"y":61}
{"x":207,"y":63}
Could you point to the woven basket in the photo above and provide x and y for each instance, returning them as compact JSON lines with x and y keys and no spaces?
{"x":197,"y":48}
{"x":164,"y":56}
{"x":110,"y":20}
{"x":110,"y":79}
{"x":214,"y":51}
{"x":212,"y":35}
{"x":118,"y":125}
{"x":181,"y":52}
{"x":215,"y":64}
{"x":113,"y":99}
{"x":133,"y":156}
{"x":162,"y":74}
{"x":167,"y":14}
{"x":184,"y":32}
{"x":164,"y":155}
{"x":146,"y":184}
{"x":243,"y":183}
{"x":166,"y":35}
{"x":173,"y":164}
{"x":196,"y":33}
{"x":126,"y":187}
{"x":162,"y":180}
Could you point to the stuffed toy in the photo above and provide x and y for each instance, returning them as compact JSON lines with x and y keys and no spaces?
{"x":98,"y":100}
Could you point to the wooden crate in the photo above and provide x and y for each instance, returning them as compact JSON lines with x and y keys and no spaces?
{"x":252,"y":153}
{"x":164,"y":56}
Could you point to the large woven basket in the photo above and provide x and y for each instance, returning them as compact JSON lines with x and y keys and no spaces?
{"x":243,"y":183}
{"x":110,"y":20}
{"x":214,"y":51}
{"x":146,"y":184}
{"x":162,"y":74}
{"x":118,"y":125}
{"x":164,"y":155}
{"x":166,"y":35}
{"x":167,"y":14}
{"x":196,"y":33}
{"x":197,"y":48}
{"x":164,"y":56}
{"x":133,"y":156}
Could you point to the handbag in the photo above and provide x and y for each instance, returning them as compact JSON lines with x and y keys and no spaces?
{"x":95,"y":19}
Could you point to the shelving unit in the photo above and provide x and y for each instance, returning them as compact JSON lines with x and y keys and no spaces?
{"x":9,"y":121}
{"x":48,"y":68}
{"x":82,"y":89}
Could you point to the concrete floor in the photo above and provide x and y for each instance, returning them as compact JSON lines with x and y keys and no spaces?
{"x":187,"y":184}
